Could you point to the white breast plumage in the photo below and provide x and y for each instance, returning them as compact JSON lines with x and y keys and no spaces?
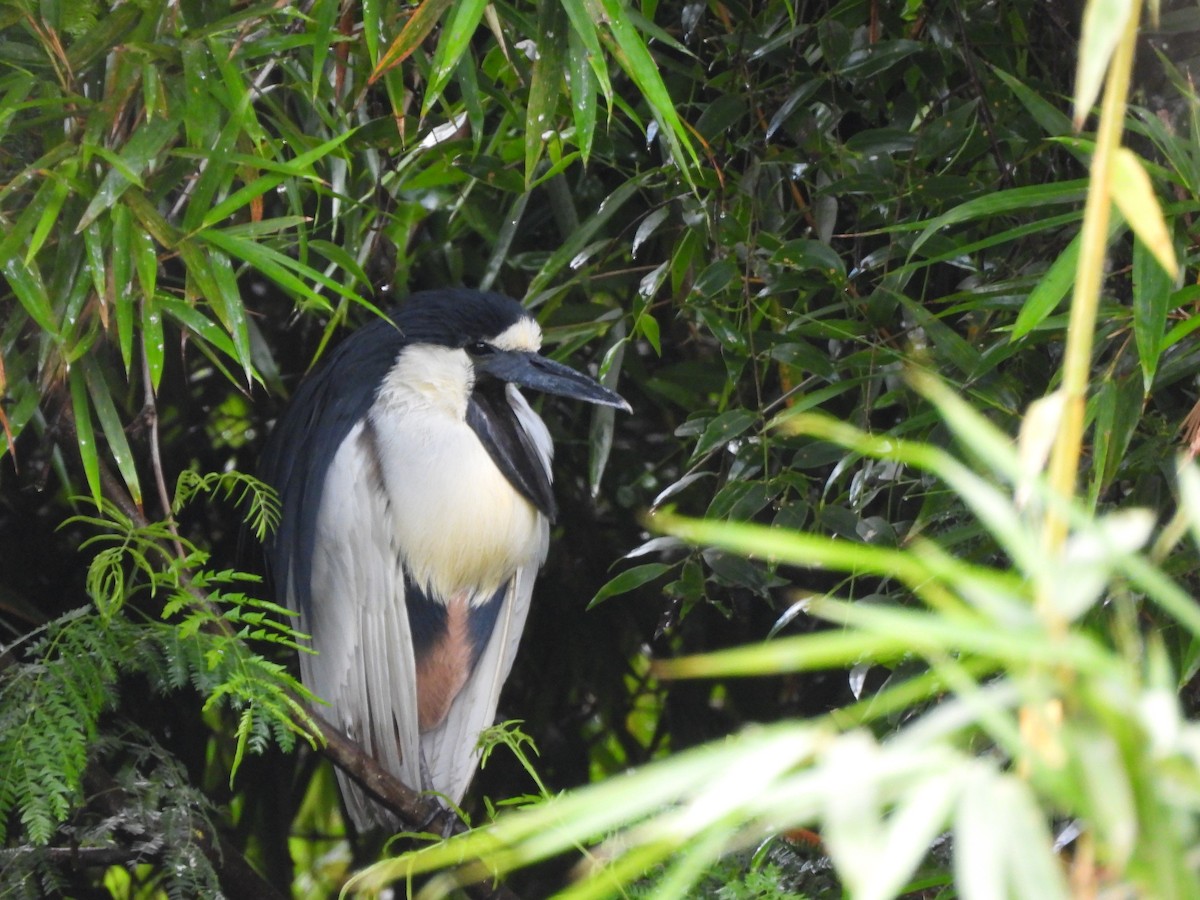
{"x":459,"y":523}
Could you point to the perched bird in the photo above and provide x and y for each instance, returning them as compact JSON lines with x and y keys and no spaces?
{"x":416,"y":500}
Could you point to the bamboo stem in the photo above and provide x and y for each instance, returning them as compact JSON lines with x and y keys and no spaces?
{"x":1085,"y":301}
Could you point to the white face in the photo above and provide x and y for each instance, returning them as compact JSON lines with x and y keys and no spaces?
{"x":523,"y":335}
{"x":432,"y":377}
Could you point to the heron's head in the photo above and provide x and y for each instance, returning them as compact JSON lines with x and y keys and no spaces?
{"x":500,"y":341}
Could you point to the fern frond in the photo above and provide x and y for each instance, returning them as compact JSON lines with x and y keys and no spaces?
{"x":259,"y":498}
{"x":50,"y":709}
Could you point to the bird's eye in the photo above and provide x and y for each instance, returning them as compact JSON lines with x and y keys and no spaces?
{"x":480,"y":348}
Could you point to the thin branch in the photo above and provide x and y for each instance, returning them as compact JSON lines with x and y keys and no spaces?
{"x":150,"y":415}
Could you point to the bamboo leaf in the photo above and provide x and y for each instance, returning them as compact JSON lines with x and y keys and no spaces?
{"x":416,"y":29}
{"x":300,"y":167}
{"x":579,"y":239}
{"x":1049,"y":292}
{"x":142,"y":148}
{"x":152,"y":340}
{"x":26,"y":282}
{"x":121,"y":269}
{"x":1152,"y":298}
{"x":1134,"y":195}
{"x":231,"y":310}
{"x":582,"y":83}
{"x":110,"y":422}
{"x":85,"y":436}
{"x":1015,"y":199}
{"x":464,"y":19}
{"x":629,"y":580}
{"x":632,"y":53}
{"x":199,"y":325}
{"x":59,"y":189}
{"x":1104,"y":22}
{"x":541,"y":112}
{"x":584,"y":30}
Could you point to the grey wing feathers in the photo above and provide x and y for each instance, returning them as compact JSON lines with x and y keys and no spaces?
{"x":364,"y":666}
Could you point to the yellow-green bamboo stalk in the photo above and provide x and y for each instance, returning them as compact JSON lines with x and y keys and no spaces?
{"x":1085,"y":301}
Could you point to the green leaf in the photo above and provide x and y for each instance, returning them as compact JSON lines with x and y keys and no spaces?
{"x":579,"y":238}
{"x":1152,"y":298}
{"x":108,"y":31}
{"x":26,"y":282}
{"x":85,"y":436}
{"x":632,"y":53}
{"x":288,"y":273}
{"x":1134,"y":195}
{"x":230,"y":310}
{"x":110,"y":422}
{"x":197,"y":323}
{"x":541,"y":113}
{"x":142,"y":148}
{"x":152,"y":340}
{"x":300,"y":167}
{"x":121,"y":268}
{"x":584,"y":30}
{"x":723,"y":428}
{"x":422,"y":21}
{"x":1048,"y":292}
{"x":629,"y":580}
{"x":1018,"y":199}
{"x":1104,"y":21}
{"x":59,"y":189}
{"x":809,"y":254}
{"x":457,"y":33}
{"x":582,"y":85}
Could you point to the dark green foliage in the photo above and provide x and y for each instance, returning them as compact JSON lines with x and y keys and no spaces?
{"x":70,"y":672}
{"x":49,"y":716}
{"x":149,"y":811}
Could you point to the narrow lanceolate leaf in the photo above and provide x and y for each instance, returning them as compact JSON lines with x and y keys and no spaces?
{"x":629,"y":580}
{"x":456,"y":37}
{"x":110,"y":422}
{"x":109,"y":29}
{"x":211,"y":275}
{"x":26,"y":282}
{"x":1054,"y":285}
{"x":289,"y":273}
{"x":582,"y":84}
{"x":202,"y":328}
{"x":634,"y":56}
{"x":93,"y":245}
{"x":583,"y":29}
{"x":1151,"y":300}
{"x":1023,"y":199}
{"x":586,"y":231}
{"x":127,"y":167}
{"x":418,"y":27}
{"x":58,"y":188}
{"x":1103,"y":23}
{"x":1048,"y":292}
{"x":540,"y":114}
{"x":278,"y":172}
{"x":1134,"y":195}
{"x":85,"y":436}
{"x":152,"y":339}
{"x":121,"y":270}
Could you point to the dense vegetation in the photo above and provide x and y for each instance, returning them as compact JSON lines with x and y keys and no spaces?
{"x":825,"y":250}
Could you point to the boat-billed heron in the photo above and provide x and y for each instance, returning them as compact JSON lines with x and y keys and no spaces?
{"x":416,"y":500}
